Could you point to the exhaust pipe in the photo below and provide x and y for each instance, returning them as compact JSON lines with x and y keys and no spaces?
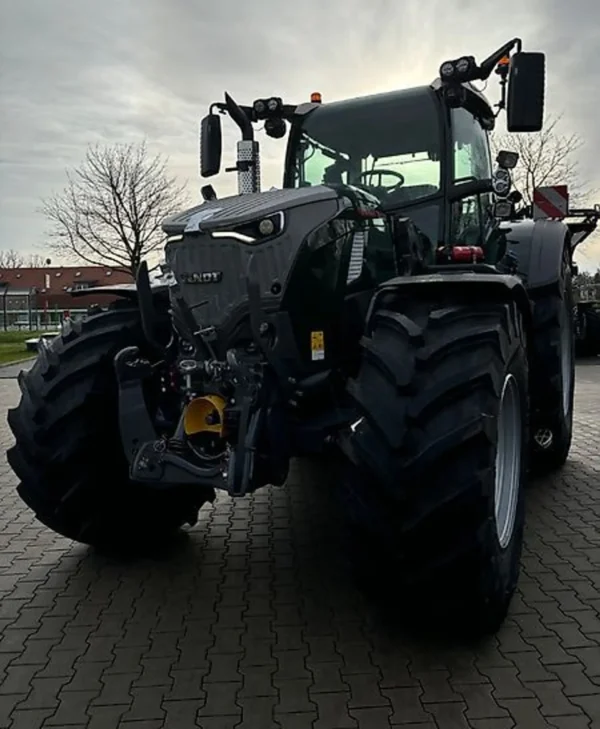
{"x":248,"y":166}
{"x":248,"y":152}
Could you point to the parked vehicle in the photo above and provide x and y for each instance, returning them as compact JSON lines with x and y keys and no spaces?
{"x":371,"y":307}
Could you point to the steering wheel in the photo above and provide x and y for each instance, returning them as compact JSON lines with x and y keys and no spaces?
{"x":380,"y":174}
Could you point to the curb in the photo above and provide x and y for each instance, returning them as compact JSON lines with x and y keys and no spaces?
{"x":16,"y":362}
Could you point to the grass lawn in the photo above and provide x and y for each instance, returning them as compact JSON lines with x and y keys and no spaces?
{"x":12,"y":346}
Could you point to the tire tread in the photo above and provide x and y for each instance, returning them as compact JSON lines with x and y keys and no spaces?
{"x":68,"y":455}
{"x":425,"y":452}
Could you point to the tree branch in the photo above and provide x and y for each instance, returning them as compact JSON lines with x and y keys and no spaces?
{"x":11,"y":259}
{"x":548,"y":157}
{"x":112,"y":208}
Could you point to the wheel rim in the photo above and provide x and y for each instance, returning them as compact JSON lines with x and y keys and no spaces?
{"x":508,"y":461}
{"x":544,"y":438}
{"x":566,"y":361}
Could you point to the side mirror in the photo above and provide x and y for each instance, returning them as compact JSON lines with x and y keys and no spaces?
{"x":210,"y":145}
{"x":526,"y":91}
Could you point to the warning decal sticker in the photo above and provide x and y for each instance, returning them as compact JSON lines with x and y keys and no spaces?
{"x":317,"y":345}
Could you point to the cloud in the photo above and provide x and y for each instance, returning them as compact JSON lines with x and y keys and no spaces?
{"x":78,"y":71}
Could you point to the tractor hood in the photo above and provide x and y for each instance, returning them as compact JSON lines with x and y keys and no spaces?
{"x":239,"y":210}
{"x":214,"y":249}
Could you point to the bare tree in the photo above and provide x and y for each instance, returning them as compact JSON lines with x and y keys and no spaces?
{"x":110,"y":212}
{"x":548,"y":157}
{"x":584,"y":277}
{"x":11,"y":259}
{"x":36,"y":260}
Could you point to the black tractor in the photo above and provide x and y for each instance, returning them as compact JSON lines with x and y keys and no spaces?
{"x":376,"y":308}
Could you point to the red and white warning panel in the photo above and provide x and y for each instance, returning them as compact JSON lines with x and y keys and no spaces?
{"x":551,"y":202}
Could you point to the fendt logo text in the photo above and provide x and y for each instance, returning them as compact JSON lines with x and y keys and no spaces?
{"x":202,"y":277}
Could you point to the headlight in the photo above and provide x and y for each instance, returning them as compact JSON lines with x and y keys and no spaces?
{"x":255,"y":232}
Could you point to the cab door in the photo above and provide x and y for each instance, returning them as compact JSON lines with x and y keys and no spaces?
{"x":471,"y":218}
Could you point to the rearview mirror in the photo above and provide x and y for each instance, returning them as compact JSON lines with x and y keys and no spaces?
{"x":526,"y":90}
{"x":210,"y":145}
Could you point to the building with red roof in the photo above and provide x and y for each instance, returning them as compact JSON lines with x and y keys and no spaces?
{"x":36,"y":296}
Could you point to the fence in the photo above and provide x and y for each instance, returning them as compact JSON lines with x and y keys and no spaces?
{"x":34,"y":319}
{"x":587,"y":293}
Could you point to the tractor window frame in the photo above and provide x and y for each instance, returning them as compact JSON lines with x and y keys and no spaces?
{"x":378,"y":141}
{"x":471,"y":160}
{"x":474,"y":142}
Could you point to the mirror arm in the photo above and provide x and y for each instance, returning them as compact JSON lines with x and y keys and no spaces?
{"x":489,"y":64}
{"x":239,"y":116}
{"x":501,"y":105}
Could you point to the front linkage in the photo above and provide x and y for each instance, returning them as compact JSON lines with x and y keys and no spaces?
{"x":161,"y":460}
{"x":243,"y":405}
{"x":230,"y":397}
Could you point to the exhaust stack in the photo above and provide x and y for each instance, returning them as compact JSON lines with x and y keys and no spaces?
{"x":248,"y":166}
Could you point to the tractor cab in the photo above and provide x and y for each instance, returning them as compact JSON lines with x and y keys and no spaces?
{"x":423,"y":152}
{"x":390,"y":145}
{"x":407,"y":149}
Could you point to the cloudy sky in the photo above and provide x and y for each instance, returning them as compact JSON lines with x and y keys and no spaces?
{"x":79,"y":71}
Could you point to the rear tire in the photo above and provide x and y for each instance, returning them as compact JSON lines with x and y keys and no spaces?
{"x":422,"y":486}
{"x":68,"y":454}
{"x":553,"y":375}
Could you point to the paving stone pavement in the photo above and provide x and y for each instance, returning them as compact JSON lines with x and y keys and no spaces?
{"x":252,"y":622}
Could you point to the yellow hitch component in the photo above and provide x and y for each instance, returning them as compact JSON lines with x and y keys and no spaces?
{"x":204,"y":415}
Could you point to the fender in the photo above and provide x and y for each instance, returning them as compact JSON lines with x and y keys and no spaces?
{"x":146,"y":296}
{"x":538,"y":246}
{"x":125,"y":291}
{"x":479,"y":286}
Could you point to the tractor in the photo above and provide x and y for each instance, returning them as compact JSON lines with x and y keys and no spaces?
{"x":377,"y":309}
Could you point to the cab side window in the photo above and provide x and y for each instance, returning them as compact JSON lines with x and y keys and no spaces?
{"x":472,"y":160}
{"x":315,"y":168}
{"x":471,"y":149}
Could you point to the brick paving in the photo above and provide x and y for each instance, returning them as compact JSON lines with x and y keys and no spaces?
{"x":251,"y":621}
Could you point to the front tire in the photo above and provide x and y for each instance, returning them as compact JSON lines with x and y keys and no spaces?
{"x":443,"y":394}
{"x":68,"y":454}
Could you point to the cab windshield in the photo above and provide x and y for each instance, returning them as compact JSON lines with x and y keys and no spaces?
{"x":389,"y":145}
